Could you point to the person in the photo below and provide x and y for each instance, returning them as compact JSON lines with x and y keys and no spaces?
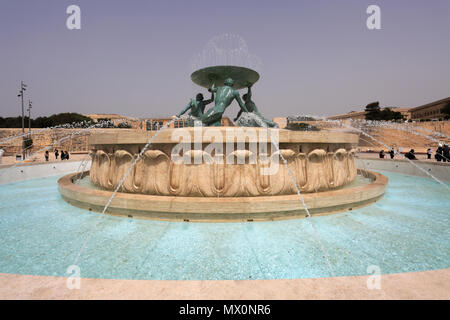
{"x":224,"y":97}
{"x":446,"y":153}
{"x":1,"y":155}
{"x":46,"y":155}
{"x":392,"y":153}
{"x":381,"y":154}
{"x":66,"y":154}
{"x":251,"y":107}
{"x":56,"y":154}
{"x":410,"y":155}
{"x":439,"y":153}
{"x":197,"y":106}
{"x":429,"y":153}
{"x":62,"y":155}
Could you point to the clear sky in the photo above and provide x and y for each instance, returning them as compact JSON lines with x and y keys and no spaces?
{"x":132,"y":57}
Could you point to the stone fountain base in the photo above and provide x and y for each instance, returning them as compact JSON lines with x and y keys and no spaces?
{"x":217,"y":174}
{"x":226,"y":209}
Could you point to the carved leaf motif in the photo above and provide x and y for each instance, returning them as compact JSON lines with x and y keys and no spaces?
{"x":316,"y":170}
{"x":340,"y":168}
{"x":121,"y":163}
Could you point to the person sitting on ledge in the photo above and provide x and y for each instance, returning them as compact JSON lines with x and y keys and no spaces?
{"x":381,"y":154}
{"x":225,"y":96}
{"x":410,"y":155}
{"x":197,"y":106}
{"x":251,"y":107}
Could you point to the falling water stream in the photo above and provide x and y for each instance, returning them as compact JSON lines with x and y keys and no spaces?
{"x":124,"y":177}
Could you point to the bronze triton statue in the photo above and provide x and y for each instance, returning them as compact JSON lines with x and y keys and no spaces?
{"x":197,"y":106}
{"x":251,"y":107}
{"x":233,"y":78}
{"x":225,"y":96}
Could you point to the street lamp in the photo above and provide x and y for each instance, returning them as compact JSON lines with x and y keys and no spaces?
{"x":29,"y":116}
{"x":23,"y":87}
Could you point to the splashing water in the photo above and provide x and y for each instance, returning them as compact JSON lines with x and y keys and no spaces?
{"x":122,"y":181}
{"x":73,"y":125}
{"x":225,"y":49}
{"x":82,"y":167}
{"x":386,"y":146}
{"x":300,"y":196}
{"x":390,"y":125}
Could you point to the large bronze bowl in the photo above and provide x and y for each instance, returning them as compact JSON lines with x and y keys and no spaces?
{"x":243,"y":77}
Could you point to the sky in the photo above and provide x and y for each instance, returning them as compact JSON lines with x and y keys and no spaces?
{"x":133,"y":57}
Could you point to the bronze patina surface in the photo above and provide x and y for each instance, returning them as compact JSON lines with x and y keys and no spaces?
{"x":243,"y":77}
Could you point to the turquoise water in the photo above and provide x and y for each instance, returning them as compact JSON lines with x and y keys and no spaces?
{"x":408,"y":230}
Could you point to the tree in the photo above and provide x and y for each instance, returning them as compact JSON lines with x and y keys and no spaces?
{"x":387,"y":114}
{"x":45,"y":122}
{"x":373,"y":111}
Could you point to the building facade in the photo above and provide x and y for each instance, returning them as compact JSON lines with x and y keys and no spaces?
{"x":431,"y":111}
{"x":153,"y":124}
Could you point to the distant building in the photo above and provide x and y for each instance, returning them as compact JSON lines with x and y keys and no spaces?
{"x":432,"y":111}
{"x":149,"y":124}
{"x":283,"y":122}
{"x":361,"y":115}
{"x":152,"y":124}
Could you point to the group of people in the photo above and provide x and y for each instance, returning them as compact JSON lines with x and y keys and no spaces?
{"x":64,"y":155}
{"x":442,"y":154}
{"x":410,"y":155}
{"x":391,"y":154}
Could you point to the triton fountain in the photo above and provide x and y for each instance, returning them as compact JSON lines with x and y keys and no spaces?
{"x":252,"y":171}
{"x":212,"y":173}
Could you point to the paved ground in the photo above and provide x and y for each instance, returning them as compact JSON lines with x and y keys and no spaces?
{"x":40,"y":158}
{"x":421,"y":157}
{"x":80,"y":156}
{"x":414,"y":285}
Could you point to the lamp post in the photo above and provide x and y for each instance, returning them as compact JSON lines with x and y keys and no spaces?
{"x":23,"y":87}
{"x":29,"y":116}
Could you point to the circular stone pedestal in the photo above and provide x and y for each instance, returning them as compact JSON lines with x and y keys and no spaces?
{"x":210,"y":209}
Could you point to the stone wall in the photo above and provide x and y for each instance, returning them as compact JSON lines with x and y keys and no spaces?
{"x":405,"y":139}
{"x":48,"y":138}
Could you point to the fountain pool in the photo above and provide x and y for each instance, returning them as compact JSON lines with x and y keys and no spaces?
{"x":406,"y":230}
